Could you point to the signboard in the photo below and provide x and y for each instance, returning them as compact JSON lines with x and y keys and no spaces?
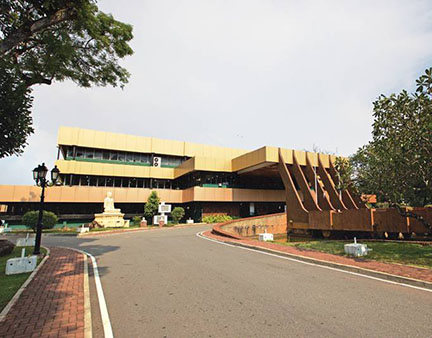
{"x":164,"y":208}
{"x":157,"y":161}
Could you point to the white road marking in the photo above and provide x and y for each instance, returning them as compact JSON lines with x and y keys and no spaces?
{"x":108,"y":333}
{"x":200,"y":235}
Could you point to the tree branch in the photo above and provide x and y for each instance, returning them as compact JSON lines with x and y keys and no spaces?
{"x":24,"y":33}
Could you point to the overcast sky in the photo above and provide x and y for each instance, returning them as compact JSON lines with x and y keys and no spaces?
{"x":243,"y":74}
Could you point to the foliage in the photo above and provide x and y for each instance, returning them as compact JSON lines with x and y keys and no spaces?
{"x":54,"y":40}
{"x":49,"y":219}
{"x":177,"y":214}
{"x":345,"y":171}
{"x":151,"y":207}
{"x":216,"y":218}
{"x":397,"y":164}
{"x":136,"y":220}
{"x":15,"y":115}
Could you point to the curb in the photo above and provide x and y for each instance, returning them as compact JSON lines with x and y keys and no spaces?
{"x":350,"y":268}
{"x":126,"y":231}
{"x":14,"y":299}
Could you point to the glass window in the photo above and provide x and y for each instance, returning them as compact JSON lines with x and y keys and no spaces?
{"x":140,"y":182}
{"x":89,"y":153}
{"x":137,"y":157}
{"x":129,"y":157}
{"x":101,"y":181}
{"x":113,"y":155}
{"x":69,"y":152}
{"x":85,"y":180}
{"x":75,"y":180}
{"x":79,"y":153}
{"x":106,"y":155}
{"x":98,"y":154}
{"x":121,"y":156}
{"x":145,"y":158}
{"x":117,"y":182}
{"x":109,"y":182}
{"x":93,"y":181}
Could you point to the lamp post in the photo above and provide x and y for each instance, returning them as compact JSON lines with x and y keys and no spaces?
{"x":39,"y":175}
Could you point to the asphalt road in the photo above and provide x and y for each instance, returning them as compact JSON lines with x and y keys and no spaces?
{"x":170,"y":283}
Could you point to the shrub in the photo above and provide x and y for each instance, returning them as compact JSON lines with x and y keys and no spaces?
{"x":136,"y":220}
{"x":216,"y":218}
{"x":49,"y":219}
{"x":151,"y":207}
{"x":177,"y":214}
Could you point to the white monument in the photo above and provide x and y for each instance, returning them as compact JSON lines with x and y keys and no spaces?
{"x":111,"y":217}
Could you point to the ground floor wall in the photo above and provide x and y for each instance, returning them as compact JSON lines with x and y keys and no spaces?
{"x":75,"y":212}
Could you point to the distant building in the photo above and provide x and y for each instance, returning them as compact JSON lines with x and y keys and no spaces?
{"x":201,"y":178}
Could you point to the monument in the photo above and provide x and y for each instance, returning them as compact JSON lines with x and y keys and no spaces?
{"x":111,"y":217}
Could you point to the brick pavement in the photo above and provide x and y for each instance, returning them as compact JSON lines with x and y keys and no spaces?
{"x":390,"y":268}
{"x":52,"y":305}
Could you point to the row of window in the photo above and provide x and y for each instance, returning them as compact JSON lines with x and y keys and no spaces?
{"x":121,"y":182}
{"x":78,"y":153}
{"x":197,"y":179}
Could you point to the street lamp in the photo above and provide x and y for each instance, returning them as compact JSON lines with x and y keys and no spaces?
{"x":39,"y":175}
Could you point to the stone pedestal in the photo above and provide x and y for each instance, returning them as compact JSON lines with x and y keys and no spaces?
{"x":112,"y":219}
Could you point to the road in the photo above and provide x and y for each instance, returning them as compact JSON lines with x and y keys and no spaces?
{"x":170,"y":283}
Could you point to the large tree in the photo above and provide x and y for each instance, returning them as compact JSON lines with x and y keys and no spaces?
{"x":54,"y":40}
{"x":397,"y":163}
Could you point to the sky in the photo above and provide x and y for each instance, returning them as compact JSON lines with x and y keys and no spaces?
{"x":243,"y":74}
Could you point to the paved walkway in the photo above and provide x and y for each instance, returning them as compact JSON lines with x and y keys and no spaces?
{"x":52,"y":305}
{"x":394,"y":269}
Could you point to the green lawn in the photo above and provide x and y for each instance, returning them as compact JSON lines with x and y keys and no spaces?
{"x":9,"y":285}
{"x":402,"y":253}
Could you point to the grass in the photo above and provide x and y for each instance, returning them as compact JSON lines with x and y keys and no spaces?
{"x":9,"y":285}
{"x":401,"y":253}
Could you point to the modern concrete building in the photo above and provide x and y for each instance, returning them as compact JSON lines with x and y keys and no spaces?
{"x":203,"y":179}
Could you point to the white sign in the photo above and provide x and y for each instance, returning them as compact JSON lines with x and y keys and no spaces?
{"x":157,"y":161}
{"x":164,"y":208}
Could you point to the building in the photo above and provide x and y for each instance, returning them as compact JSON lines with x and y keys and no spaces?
{"x":203,"y":179}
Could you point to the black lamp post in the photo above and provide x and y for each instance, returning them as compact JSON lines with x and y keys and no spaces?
{"x":39,"y":175}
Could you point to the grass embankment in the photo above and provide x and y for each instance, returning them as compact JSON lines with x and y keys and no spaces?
{"x":401,"y":253}
{"x":9,"y":285}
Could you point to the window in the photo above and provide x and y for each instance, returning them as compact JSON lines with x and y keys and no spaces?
{"x":79,"y":153}
{"x":140,"y":183}
{"x":137,"y":157}
{"x":89,"y":153}
{"x":113,"y":156}
{"x":69,"y":152}
{"x":93,"y":181}
{"x":98,"y":154}
{"x":101,"y":181}
{"x":145,"y":158}
{"x":129,"y":157}
{"x":121,"y":156}
{"x":106,"y":155}
{"x":109,"y":182}
{"x":117,"y":182}
{"x":75,"y":180}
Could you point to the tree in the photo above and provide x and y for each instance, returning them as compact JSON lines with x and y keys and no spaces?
{"x":177,"y":214}
{"x":397,"y":163}
{"x":55,"y":40}
{"x":151,"y":207}
{"x":49,"y":219}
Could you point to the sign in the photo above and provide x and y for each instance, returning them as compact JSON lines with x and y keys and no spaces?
{"x":157,"y":161}
{"x":164,"y":208}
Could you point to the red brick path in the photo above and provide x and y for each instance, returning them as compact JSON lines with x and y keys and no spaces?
{"x":52,"y":305}
{"x":394,"y":269}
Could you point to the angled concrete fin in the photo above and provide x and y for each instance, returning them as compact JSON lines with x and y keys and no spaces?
{"x":323,"y":200}
{"x":296,"y":212}
{"x":346,"y":196}
{"x":329,"y":187}
{"x":308,"y":199}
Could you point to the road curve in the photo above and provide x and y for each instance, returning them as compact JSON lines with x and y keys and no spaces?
{"x":170,"y":283}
